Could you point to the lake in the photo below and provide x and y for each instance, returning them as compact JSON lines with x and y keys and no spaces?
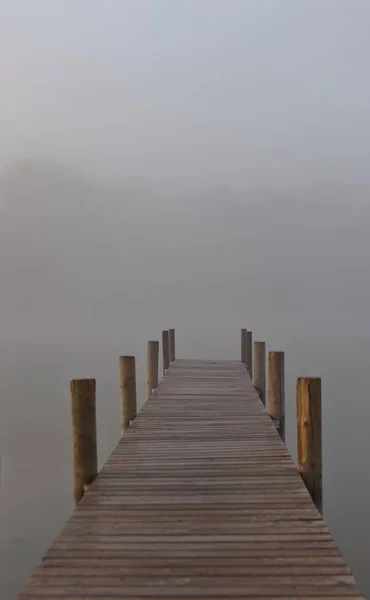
{"x":36,"y":495}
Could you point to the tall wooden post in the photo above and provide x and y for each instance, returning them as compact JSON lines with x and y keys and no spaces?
{"x":172,"y":345}
{"x":249,"y":354}
{"x":85,"y":454}
{"x":310,"y":436}
{"x":165,"y":350}
{"x":259,"y":369}
{"x":276,"y":378}
{"x":127,"y":375}
{"x":243,"y":346}
{"x":152,"y":367}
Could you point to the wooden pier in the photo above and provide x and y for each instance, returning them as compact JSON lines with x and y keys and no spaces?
{"x":200,"y":499}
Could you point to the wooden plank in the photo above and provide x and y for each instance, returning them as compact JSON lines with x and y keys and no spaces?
{"x":200,"y":499}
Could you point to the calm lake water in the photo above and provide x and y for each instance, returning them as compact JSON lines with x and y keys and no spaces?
{"x":35,"y":444}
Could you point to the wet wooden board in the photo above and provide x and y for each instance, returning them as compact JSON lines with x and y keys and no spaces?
{"x":200,"y":499}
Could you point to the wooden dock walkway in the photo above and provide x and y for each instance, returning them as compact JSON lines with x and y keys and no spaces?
{"x":200,"y":499}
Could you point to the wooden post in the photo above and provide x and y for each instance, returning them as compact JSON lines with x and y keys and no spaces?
{"x":85,"y":455}
{"x":152,"y":367}
{"x":165,"y":350}
{"x":127,"y":376}
{"x":249,"y":354}
{"x":172,"y":345}
{"x":276,"y":379}
{"x":243,"y":344}
{"x":259,"y":370}
{"x":309,"y":436}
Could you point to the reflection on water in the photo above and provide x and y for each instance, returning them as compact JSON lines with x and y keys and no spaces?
{"x":36,"y":476}
{"x":34,"y":501}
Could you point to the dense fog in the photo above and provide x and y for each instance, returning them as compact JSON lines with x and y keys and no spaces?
{"x":197,"y":164}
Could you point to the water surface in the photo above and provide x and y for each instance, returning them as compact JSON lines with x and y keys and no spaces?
{"x":36,"y":477}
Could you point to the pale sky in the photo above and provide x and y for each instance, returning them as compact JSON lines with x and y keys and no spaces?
{"x":189,"y":92}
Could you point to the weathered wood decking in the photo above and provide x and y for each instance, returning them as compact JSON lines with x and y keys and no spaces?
{"x":200,"y":499}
